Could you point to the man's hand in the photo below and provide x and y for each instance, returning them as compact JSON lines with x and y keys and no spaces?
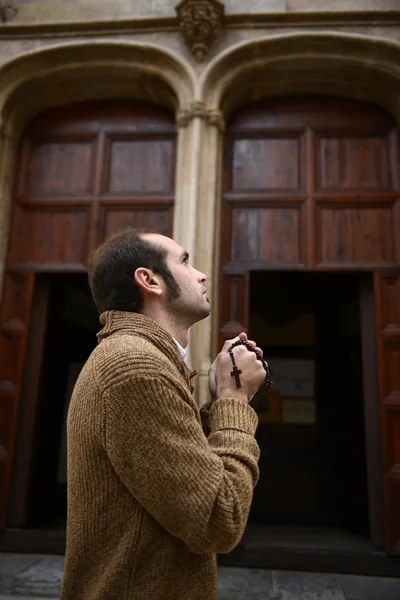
{"x":212,"y":373}
{"x":251,"y":372}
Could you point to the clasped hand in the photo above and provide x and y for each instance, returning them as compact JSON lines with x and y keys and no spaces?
{"x":221,"y":382}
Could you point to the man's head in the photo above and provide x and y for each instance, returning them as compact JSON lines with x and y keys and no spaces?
{"x":143,"y":271}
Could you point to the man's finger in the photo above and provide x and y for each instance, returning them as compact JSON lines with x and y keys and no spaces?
{"x":228,"y":343}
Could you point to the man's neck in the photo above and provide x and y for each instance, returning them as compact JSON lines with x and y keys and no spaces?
{"x":176,"y":329}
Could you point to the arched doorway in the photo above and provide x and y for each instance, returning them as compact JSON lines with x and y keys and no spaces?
{"x":85,"y":171}
{"x":309,"y":237}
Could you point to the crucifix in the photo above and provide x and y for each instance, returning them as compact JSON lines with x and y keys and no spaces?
{"x":236,"y":372}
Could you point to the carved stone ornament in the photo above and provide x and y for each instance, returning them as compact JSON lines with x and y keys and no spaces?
{"x":200,"y":22}
{"x":198,"y":110}
{"x":8,"y":11}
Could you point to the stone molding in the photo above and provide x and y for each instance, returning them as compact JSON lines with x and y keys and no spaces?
{"x":53,"y":76}
{"x":200,"y":21}
{"x":199,"y":110}
{"x":61,"y":26}
{"x":351,"y":65}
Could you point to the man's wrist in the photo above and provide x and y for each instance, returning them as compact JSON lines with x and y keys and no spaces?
{"x":230,"y":393}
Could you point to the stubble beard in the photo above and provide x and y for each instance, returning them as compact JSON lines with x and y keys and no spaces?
{"x":189,"y":309}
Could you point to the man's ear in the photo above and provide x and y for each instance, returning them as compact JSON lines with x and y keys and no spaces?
{"x":148,"y":282}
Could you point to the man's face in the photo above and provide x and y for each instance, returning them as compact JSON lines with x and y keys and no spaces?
{"x":192,"y":303}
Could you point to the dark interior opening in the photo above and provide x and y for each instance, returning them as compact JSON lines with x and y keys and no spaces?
{"x":313,"y":477}
{"x":71,"y":327}
{"x":313,"y":472}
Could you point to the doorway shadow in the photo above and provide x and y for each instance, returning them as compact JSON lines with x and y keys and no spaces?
{"x":63,"y":331}
{"x":313,"y":468}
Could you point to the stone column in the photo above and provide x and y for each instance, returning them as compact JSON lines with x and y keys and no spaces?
{"x":187,"y":173}
{"x":196,"y":219}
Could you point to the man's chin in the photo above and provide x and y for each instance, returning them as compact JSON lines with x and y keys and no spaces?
{"x":201,"y":315}
{"x":205,"y":312}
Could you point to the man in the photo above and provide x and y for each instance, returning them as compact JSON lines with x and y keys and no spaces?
{"x":155,"y":487}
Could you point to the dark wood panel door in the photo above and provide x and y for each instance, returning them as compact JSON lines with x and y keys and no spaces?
{"x":308,"y":183}
{"x":387,"y":293}
{"x":14,"y":327}
{"x":311,"y":182}
{"x":85,"y":172}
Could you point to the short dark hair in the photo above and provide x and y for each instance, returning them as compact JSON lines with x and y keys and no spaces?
{"x":112,"y":269}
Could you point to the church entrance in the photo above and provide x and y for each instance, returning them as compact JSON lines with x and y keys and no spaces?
{"x":85,"y":171}
{"x":309,"y":257}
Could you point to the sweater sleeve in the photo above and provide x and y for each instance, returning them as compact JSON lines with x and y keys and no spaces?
{"x":199,"y":489}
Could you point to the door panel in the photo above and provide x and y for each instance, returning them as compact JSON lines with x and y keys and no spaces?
{"x":85,"y":172}
{"x":353,"y":235}
{"x":14,"y":326}
{"x":60,"y":168}
{"x":116,"y":218}
{"x":387,"y":293}
{"x":141,"y":166}
{"x":280,"y":157}
{"x":310,"y":182}
{"x":48,"y":236}
{"x":354,"y":163}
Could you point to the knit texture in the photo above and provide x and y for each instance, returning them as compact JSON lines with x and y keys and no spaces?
{"x":155,"y":487}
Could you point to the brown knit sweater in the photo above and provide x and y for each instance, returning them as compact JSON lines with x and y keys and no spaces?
{"x":151,"y":498}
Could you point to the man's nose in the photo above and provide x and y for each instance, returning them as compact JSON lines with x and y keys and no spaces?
{"x":202,"y":277}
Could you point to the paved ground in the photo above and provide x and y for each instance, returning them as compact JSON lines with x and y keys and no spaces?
{"x":8,"y":597}
{"x":39,"y":577}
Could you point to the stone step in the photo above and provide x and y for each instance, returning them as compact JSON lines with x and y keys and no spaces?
{"x":8,"y":597}
{"x":39,"y":577}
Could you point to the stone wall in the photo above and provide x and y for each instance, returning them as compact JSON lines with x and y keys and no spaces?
{"x":166,"y":8}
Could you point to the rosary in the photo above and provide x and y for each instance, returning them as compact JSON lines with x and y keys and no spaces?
{"x":236,"y":372}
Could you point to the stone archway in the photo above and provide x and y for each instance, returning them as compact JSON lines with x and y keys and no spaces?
{"x":350,"y":66}
{"x":354,"y":66}
{"x":77,"y":72}
{"x":347,"y":65}
{"x":55,"y":77}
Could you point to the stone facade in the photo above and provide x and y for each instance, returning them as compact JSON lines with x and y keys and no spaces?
{"x":53,"y":52}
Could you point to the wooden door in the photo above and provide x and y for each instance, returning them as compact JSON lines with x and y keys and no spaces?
{"x":387,"y":294}
{"x":85,"y":171}
{"x":14,"y":327}
{"x":314,"y":184}
{"x":309,"y":183}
